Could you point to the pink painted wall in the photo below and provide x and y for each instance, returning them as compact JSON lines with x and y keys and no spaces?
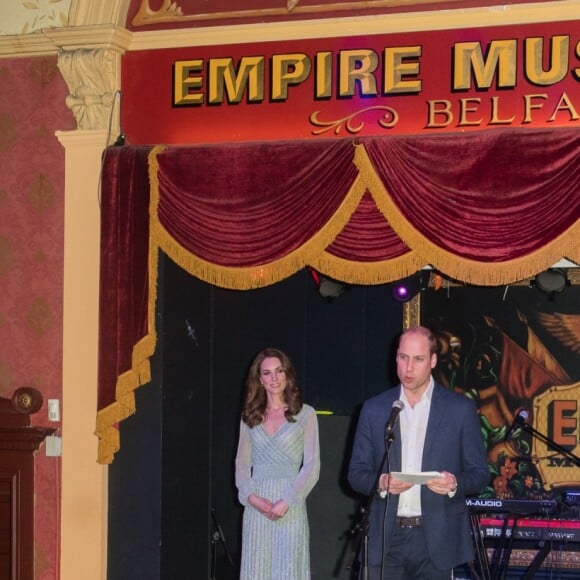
{"x":32,"y":108}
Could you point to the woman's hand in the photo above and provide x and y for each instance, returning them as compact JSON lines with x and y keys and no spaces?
{"x":279,"y":509}
{"x":267,"y":508}
{"x":262,"y":504}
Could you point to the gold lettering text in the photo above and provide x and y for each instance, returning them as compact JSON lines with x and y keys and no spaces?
{"x":400,"y":65}
{"x":184,"y":82}
{"x":558,"y":65}
{"x":222,"y":76}
{"x":500,"y":62}
{"x":323,"y":75}
{"x":287,"y":70}
{"x":439,"y":108}
{"x":357,"y":66}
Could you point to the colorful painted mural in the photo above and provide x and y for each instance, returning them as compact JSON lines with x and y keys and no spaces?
{"x":516,"y":352}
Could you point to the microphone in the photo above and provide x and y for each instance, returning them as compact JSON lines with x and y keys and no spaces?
{"x":521,"y":417}
{"x":397,"y":408}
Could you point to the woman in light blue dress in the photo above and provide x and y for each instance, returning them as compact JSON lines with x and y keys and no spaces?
{"x":277,"y":465}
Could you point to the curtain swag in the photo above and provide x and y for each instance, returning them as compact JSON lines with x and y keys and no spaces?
{"x":486,"y":208}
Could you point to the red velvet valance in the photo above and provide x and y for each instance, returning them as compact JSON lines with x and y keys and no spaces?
{"x":486,"y":208}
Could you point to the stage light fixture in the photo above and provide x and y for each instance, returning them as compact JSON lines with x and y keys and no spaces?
{"x":551,"y":281}
{"x":327,"y":287}
{"x":407,"y":288}
{"x":330,"y":288}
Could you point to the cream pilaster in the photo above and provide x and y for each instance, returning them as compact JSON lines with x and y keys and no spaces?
{"x":92,"y":75}
{"x":84,"y":481}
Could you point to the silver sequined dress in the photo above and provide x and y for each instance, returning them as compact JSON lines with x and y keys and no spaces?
{"x":284,"y":466}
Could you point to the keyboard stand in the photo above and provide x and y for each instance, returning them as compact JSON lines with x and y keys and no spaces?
{"x":538,"y":560}
{"x":480,"y":550}
{"x":503,"y":552}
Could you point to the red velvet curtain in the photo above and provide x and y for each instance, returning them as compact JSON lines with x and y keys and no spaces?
{"x":124,"y":295}
{"x":487,"y":208}
{"x":493,"y":198}
{"x":248,"y":205}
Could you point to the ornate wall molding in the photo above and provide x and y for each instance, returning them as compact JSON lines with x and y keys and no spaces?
{"x":53,"y":40}
{"x":89,"y":23}
{"x":97,"y":24}
{"x":403,"y":22}
{"x":92,"y":76}
{"x":87,"y":12}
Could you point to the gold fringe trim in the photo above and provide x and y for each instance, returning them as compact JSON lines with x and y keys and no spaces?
{"x":124,"y":405}
{"x":573,"y":254}
{"x":456,"y":267}
{"x":367,"y":273}
{"x":140,"y":372}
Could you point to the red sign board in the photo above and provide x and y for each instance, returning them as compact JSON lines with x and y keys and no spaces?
{"x":457,"y":80}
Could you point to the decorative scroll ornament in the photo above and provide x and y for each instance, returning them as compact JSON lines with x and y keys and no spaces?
{"x":89,"y":75}
{"x":169,"y":12}
{"x":172,"y":12}
{"x":389,"y":119}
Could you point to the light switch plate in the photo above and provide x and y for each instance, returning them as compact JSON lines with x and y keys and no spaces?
{"x":53,"y":446}
{"x":53,"y":410}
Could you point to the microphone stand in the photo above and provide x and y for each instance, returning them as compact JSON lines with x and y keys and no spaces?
{"x":218,"y":535}
{"x":361,"y":530}
{"x":574,"y":459}
{"x":551,"y":443}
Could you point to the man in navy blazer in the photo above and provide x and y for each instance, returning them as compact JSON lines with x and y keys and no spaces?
{"x":418,"y":531}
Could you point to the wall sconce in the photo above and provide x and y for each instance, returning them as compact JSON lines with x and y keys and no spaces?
{"x":552,"y":281}
{"x":27,"y":400}
{"x":407,"y":288}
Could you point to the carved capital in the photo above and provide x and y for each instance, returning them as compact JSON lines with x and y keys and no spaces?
{"x":91,"y":76}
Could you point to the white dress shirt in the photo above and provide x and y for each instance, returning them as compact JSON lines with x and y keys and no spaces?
{"x":413,"y":428}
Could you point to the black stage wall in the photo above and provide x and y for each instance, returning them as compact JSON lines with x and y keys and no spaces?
{"x":177,"y":453}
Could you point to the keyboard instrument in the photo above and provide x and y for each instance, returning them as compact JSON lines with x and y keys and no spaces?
{"x":541,"y":525}
{"x":518,"y":507}
{"x":532,"y":529}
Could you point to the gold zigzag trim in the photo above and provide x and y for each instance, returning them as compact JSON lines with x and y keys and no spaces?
{"x":454,"y":266}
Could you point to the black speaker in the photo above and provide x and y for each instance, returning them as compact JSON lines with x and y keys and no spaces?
{"x":332,"y":506}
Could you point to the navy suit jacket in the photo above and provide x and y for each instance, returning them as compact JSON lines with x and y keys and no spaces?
{"x":454,"y":443}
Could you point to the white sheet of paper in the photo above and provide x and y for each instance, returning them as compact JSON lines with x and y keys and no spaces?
{"x":419,"y":478}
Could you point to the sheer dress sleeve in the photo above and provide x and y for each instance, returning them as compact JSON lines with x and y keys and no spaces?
{"x":310,"y":470}
{"x":244,"y":465}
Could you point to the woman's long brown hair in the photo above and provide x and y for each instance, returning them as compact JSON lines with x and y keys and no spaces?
{"x":255,"y":399}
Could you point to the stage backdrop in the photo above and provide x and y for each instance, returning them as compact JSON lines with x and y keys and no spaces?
{"x":512,"y":349}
